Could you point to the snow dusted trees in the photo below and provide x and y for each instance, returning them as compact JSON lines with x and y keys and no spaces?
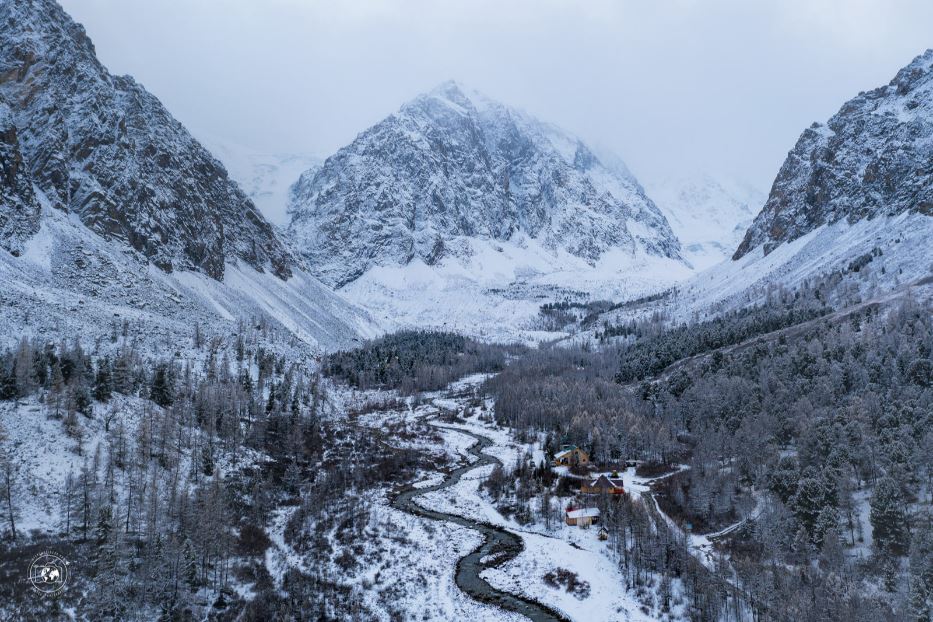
{"x":414,"y":361}
{"x":8,"y":475}
{"x":819,"y":426}
{"x":155,"y":538}
{"x":889,"y":518}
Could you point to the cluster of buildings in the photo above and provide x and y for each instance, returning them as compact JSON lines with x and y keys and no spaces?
{"x":572,"y":456}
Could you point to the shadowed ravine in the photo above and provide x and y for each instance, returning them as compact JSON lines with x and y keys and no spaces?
{"x":498,"y":547}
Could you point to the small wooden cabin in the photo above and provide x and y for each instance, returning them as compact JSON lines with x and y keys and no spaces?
{"x":583,"y":517}
{"x":571,"y":455}
{"x":603,"y":484}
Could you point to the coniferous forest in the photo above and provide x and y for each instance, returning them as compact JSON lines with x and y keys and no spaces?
{"x":362,"y":342}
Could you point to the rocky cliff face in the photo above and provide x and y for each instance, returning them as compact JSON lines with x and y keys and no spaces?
{"x":102,"y":147}
{"x":19,"y":209}
{"x":453,"y":164}
{"x":873,"y":158}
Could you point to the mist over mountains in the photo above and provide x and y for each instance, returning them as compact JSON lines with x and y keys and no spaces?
{"x":466,"y":367}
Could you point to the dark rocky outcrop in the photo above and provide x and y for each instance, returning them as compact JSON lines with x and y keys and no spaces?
{"x":19,"y":208}
{"x":100,"y":146}
{"x":873,"y":158}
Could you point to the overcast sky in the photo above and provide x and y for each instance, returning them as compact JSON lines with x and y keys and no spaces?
{"x":674,"y":87}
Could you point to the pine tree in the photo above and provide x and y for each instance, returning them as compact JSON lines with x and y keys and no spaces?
{"x":240,"y":349}
{"x":162,"y":391}
{"x":8,"y":469}
{"x":919,"y":601}
{"x":832,"y":555}
{"x":802,"y":546}
{"x":827,"y":521}
{"x":103,"y":381}
{"x":8,"y":390}
{"x":808,"y":503}
{"x":888,"y":518}
{"x":207,"y":459}
{"x":104,"y":525}
{"x":108,"y":597}
{"x":122,"y":376}
{"x":81,"y":398}
{"x":189,"y":568}
{"x":57,"y":381}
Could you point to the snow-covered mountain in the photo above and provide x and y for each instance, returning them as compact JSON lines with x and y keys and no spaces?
{"x":103,"y":148}
{"x":708,"y":214}
{"x":853,"y":202}
{"x":453,"y":165}
{"x":873,"y":158}
{"x":110,"y":209}
{"x":266,"y":178}
{"x":460,"y":212}
{"x":854,"y":198}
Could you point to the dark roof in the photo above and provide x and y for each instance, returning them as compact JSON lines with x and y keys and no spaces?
{"x":606,"y":482}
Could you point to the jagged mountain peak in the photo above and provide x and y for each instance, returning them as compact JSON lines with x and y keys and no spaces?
{"x":872,"y":158}
{"x":458,"y":93}
{"x":102,"y":147}
{"x":453,"y":164}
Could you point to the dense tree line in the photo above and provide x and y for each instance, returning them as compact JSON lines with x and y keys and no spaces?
{"x":650,"y":354}
{"x":412,"y":361}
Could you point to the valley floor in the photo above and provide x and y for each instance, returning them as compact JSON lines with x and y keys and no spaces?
{"x":546,"y":548}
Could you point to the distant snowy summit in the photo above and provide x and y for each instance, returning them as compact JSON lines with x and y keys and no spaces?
{"x":708,"y":214}
{"x":453,"y":166}
{"x":265,"y":177}
{"x":873,"y":158}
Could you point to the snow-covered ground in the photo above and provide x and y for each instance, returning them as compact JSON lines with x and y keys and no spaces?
{"x":903,"y":240}
{"x":493,"y":290}
{"x":70,"y":281}
{"x":44,"y":454}
{"x":577,"y":550}
{"x":545,"y":549}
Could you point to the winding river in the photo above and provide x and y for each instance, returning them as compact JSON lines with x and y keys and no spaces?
{"x":498,"y":547}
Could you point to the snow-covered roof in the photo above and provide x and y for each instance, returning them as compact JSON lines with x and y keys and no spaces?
{"x":583,"y":513}
{"x":567,"y":452}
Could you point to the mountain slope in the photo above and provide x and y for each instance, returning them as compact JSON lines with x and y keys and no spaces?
{"x":453,"y":165}
{"x":70,"y":281}
{"x":851,"y":208}
{"x":102,"y":147}
{"x":873,"y":158}
{"x":111,"y":211}
{"x":708,"y":215}
{"x":19,"y":209}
